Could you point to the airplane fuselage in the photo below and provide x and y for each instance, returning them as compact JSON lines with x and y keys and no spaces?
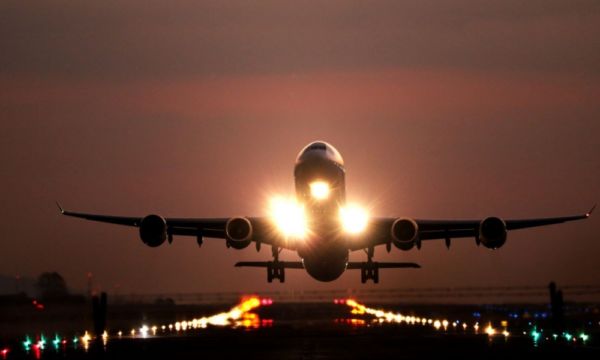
{"x":319,"y":177}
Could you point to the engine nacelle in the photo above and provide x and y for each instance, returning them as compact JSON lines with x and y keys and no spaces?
{"x":492,"y":232}
{"x":239,"y":232}
{"x":405,"y":233}
{"x":153,"y":230}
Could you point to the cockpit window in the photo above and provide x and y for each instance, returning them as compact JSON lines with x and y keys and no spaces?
{"x":317,"y":146}
{"x":322,"y":149}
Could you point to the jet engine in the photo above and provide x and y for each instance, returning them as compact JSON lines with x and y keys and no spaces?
{"x":153,"y":230}
{"x":492,"y":232}
{"x":405,"y":233}
{"x":239,"y":232}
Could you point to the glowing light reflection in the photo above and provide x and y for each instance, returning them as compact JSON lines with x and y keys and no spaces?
{"x":104,"y":338}
{"x":354,"y":219}
{"x":490,"y":330}
{"x":438,"y":324}
{"x":238,"y":316}
{"x":319,"y":190}
{"x":289,"y":218}
{"x":85,"y":341}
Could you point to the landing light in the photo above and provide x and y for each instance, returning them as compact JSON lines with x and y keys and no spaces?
{"x":319,"y":190}
{"x":289,"y":217}
{"x":354,"y":219}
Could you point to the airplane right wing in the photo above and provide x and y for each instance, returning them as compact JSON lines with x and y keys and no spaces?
{"x":195,"y":227}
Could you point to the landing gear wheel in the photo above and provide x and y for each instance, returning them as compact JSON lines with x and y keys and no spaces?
{"x":369,"y":271}
{"x":275,"y":270}
{"x":282,"y":275}
{"x":269,"y":273}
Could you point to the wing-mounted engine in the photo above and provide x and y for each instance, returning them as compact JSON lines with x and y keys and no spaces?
{"x":153,"y":230}
{"x":492,"y":232}
{"x":239,"y":232}
{"x":405,"y":234}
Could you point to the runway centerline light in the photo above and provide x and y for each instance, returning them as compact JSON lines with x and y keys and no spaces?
{"x":85,"y":341}
{"x":490,"y":330}
{"x":319,"y":190}
{"x":144,"y":331}
{"x":354,"y":219}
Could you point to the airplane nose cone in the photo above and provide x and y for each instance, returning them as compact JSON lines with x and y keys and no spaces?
{"x":320,"y":150}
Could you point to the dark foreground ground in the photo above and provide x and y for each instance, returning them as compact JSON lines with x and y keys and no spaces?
{"x":319,"y":342}
{"x":314,"y":331}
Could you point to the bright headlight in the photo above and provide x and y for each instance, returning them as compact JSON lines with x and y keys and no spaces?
{"x":289,"y":217}
{"x":319,"y":190}
{"x":354,"y":219}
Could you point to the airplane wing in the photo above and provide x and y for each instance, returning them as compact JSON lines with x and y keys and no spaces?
{"x":380,"y":228}
{"x":197,"y":227}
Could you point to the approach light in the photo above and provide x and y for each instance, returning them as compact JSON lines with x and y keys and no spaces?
{"x":490,"y":330}
{"x":289,"y":217}
{"x":354,"y":219}
{"x":319,"y":190}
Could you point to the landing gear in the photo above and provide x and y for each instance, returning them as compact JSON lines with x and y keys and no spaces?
{"x":275,"y":269}
{"x":369,"y":270}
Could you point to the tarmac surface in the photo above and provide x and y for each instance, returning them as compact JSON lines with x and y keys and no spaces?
{"x":318,"y":341}
{"x":314,"y":331}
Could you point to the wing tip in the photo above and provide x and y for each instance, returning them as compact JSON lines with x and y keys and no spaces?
{"x":591,"y":211}
{"x":60,"y":208}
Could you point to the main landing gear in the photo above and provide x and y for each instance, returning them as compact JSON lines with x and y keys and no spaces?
{"x":369,"y":270}
{"x":275,"y":268}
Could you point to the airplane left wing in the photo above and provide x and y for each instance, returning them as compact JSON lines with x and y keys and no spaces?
{"x":380,"y":231}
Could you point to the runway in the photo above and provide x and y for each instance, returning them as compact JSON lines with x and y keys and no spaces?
{"x":258,"y":328}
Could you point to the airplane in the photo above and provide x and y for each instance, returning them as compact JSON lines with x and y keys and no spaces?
{"x":321,"y":226}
